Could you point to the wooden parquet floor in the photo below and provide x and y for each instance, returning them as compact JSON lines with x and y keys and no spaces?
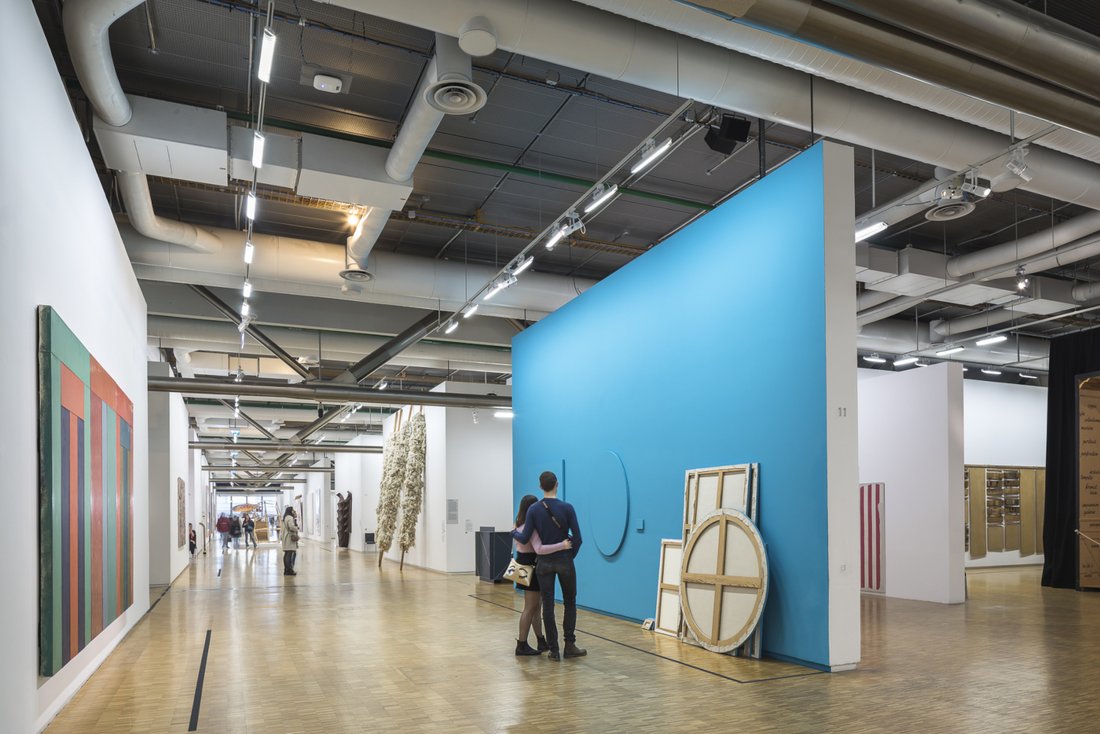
{"x":346,"y":647}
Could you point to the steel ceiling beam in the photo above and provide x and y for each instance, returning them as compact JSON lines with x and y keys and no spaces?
{"x":249,"y":420}
{"x":324,"y":392}
{"x":252,"y":331}
{"x":269,"y":467}
{"x":283,"y":446}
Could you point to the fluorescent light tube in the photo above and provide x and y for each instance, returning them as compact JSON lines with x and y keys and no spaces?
{"x":383,"y":385}
{"x":267,"y":56}
{"x":258,"y":149}
{"x":470,"y":312}
{"x":923,"y":364}
{"x":991,"y":372}
{"x":555,"y":238}
{"x":1029,"y":377}
{"x":874,"y":359}
{"x":601,"y":199}
{"x":451,"y":327}
{"x":494,"y":290}
{"x":524,"y":265}
{"x":904,"y":361}
{"x":246,"y":290}
{"x":949,"y":351}
{"x":504,"y":414}
{"x":652,"y":155}
{"x":991,"y":340}
{"x":250,"y":206}
{"x":871,"y":229}
{"x":245,"y":308}
{"x":249,"y":251}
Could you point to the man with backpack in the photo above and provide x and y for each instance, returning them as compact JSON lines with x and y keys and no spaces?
{"x":222,"y":527}
{"x":235,"y":531}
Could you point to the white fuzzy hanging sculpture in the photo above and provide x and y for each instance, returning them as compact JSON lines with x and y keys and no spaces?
{"x":413,"y":498}
{"x":393,"y":479}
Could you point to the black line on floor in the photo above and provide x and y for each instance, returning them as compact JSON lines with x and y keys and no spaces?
{"x":194,"y":725}
{"x":166,"y":588}
{"x":664,"y":657}
{"x":219,"y":573}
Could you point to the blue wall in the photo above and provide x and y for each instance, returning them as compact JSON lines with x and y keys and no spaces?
{"x":708,"y":350}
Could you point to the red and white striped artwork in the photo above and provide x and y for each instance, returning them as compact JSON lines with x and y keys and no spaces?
{"x":872,"y":517}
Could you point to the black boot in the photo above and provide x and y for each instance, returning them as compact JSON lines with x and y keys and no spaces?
{"x":522,"y":648}
{"x":553,"y":655}
{"x":543,"y":644}
{"x":572,"y":651}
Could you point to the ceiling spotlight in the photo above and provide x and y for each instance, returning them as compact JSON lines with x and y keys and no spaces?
{"x":258,"y":149}
{"x":1017,"y":166}
{"x":997,"y":339}
{"x":524,"y":265}
{"x":250,"y":206}
{"x":249,"y":251}
{"x":383,"y":384}
{"x":504,"y":414}
{"x":651,"y":154}
{"x":246,"y":290}
{"x":451,"y":327}
{"x":267,"y":56}
{"x":601,"y":197}
{"x":555,"y":237}
{"x":991,"y":372}
{"x":949,"y":351}
{"x":240,"y":374}
{"x":470,"y":311}
{"x":500,"y":285}
{"x":977,"y":186}
{"x":1022,"y":281}
{"x":901,"y":362}
{"x":869,"y":230}
{"x":1026,"y":376}
{"x":874,"y":359}
{"x":245,"y":308}
{"x":353,"y":217}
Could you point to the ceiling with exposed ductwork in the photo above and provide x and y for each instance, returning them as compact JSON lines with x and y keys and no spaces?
{"x":565,"y":107}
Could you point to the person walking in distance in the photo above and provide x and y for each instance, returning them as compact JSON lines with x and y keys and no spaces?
{"x":248,"y":527}
{"x":192,"y":539}
{"x":289,"y":534}
{"x":222,"y":527}
{"x":235,"y":531}
{"x":555,"y":521}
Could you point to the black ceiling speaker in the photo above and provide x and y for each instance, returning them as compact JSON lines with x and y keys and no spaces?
{"x":725,"y":137}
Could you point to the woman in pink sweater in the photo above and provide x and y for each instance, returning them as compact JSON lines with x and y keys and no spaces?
{"x":527,"y":554}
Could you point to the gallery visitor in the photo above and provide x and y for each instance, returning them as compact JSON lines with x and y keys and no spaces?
{"x":289,"y":533}
{"x":235,"y":531}
{"x":192,"y":539}
{"x":526,"y":553}
{"x":555,"y":521}
{"x":248,"y":525}
{"x":223,"y":527}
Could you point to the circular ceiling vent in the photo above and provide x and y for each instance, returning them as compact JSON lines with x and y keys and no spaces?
{"x":947,"y":212}
{"x":456,"y":96}
{"x":355,"y":275}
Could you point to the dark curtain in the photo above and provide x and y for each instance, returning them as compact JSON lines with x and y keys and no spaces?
{"x":1070,"y":356}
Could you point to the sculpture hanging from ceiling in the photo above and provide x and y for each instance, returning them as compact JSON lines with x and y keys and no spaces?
{"x":412,"y":500}
{"x":394,"y":455}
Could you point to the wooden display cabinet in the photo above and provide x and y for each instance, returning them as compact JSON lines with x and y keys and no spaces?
{"x":1004,"y":509}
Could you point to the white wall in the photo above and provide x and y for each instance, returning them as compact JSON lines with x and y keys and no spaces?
{"x":1006,"y":425}
{"x":61,"y":248}
{"x":361,"y":474}
{"x":169,"y":461}
{"x":315,"y":497}
{"x":479,"y":478}
{"x":911,"y":438}
{"x":467,"y":462}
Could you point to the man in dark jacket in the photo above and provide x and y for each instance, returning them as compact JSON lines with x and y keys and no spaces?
{"x":555,"y":520}
{"x":222,"y":527}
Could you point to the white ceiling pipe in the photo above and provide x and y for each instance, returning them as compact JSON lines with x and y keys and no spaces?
{"x":1009,"y":33}
{"x":1008,"y":253}
{"x":622,"y":49}
{"x":1086,"y":292}
{"x":896,"y":336}
{"x":221,"y":336}
{"x":447,"y":87}
{"x":977,"y":322}
{"x":304,"y":267}
{"x":134,"y":188}
{"x":844,"y":70}
{"x":86,"y":23}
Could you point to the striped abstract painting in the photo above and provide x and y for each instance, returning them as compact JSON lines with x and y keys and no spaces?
{"x":86,"y":468}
